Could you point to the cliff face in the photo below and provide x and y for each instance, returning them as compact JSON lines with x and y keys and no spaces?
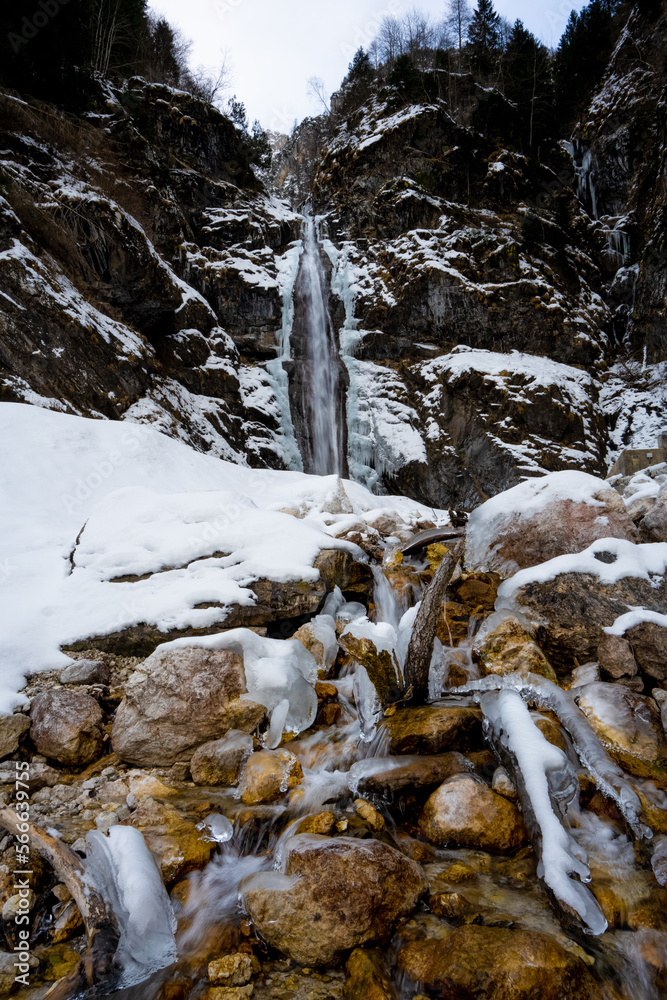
{"x":496,"y":316}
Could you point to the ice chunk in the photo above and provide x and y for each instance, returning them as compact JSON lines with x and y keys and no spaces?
{"x":126,"y":874}
{"x":217,"y":828}
{"x":544,"y":775}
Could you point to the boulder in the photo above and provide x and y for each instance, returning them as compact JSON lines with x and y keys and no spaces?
{"x":390,"y":775}
{"x":510,"y":647}
{"x":649,"y":646}
{"x":629,"y":727}
{"x":432,"y":730}
{"x":220,"y":762}
{"x":268,"y":775}
{"x":179,"y":699}
{"x":550,"y":516}
{"x":465,"y":812}
{"x":339,"y":568}
{"x":335,"y":894}
{"x":86,"y":672}
{"x":67,"y":726}
{"x":616,"y":658}
{"x":379,"y":665}
{"x":236,"y":969}
{"x":175,"y":841}
{"x":494,"y":963}
{"x":654,"y":525}
{"x":12,"y":728}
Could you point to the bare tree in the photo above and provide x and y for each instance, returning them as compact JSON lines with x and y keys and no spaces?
{"x":206,"y":85}
{"x":459,"y":16}
{"x":390,"y":39}
{"x":317,"y":91}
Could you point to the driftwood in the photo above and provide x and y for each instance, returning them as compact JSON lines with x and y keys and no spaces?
{"x":96,"y":962}
{"x":420,"y":650}
{"x":431,"y":535}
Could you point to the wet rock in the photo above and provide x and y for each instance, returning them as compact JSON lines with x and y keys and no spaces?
{"x":629,"y":727}
{"x":432,"y":730}
{"x":649,"y":645}
{"x":220,"y":762}
{"x":503,"y":784}
{"x":86,"y":672}
{"x":379,"y":666}
{"x":173,"y":839}
{"x":12,"y":728}
{"x":654,"y":525}
{"x":536,"y":522}
{"x":339,"y":568}
{"x":368,"y":812}
{"x":67,"y":726}
{"x":336,"y":894}
{"x":493,"y":963}
{"x":390,"y":775}
{"x":230,"y":992}
{"x":465,"y":812}
{"x":660,"y":698}
{"x":233,"y":970}
{"x":616,"y":658}
{"x":268,"y":775}
{"x":510,"y":647}
{"x":178,"y":700}
{"x":322,"y":823}
{"x":573,"y":609}
{"x":143,"y":786}
{"x":450,"y":905}
{"x":366,"y":977}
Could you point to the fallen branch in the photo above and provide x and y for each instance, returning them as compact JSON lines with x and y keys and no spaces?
{"x":101,"y":929}
{"x":420,"y":650}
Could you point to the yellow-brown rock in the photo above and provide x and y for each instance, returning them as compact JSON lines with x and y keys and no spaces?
{"x":173,"y":839}
{"x":366,"y":977}
{"x":509,"y":648}
{"x":465,"y":812}
{"x":268,"y":775}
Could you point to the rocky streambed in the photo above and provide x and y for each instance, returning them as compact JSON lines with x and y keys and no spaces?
{"x":347,"y":840}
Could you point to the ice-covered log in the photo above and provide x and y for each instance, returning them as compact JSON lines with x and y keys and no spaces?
{"x":546,"y":783}
{"x":420,"y":650}
{"x":608,"y":776}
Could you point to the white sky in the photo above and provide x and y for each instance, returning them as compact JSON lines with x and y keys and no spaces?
{"x":275,"y":46}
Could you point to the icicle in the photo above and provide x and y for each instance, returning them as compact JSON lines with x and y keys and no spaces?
{"x":543,"y":777}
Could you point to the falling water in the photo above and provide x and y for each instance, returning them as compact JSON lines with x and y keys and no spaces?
{"x":318,"y":396}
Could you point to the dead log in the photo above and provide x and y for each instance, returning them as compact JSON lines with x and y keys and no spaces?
{"x":430,"y":536}
{"x":420,"y":650}
{"x":97,"y":962}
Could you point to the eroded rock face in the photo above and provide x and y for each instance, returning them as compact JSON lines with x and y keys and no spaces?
{"x":544,"y":518}
{"x":493,"y":963}
{"x":67,"y":725}
{"x":465,"y":812}
{"x":628,"y":726}
{"x":178,"y":700}
{"x":336,"y":894}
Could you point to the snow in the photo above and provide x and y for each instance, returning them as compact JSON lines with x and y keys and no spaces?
{"x":636,"y":617}
{"x":645,"y":562}
{"x":546,"y":774}
{"x":148,"y":503}
{"x":124,"y":871}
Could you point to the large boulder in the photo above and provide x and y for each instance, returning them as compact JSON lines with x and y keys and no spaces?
{"x":179,"y":699}
{"x":67,"y":726}
{"x":335,"y":894}
{"x":465,"y":812}
{"x":629,"y":727}
{"x":540,"y":519}
{"x":494,"y":963}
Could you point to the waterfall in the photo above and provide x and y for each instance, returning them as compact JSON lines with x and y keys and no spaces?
{"x":316,"y":392}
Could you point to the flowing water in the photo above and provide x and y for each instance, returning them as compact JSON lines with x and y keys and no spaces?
{"x":316,"y":384}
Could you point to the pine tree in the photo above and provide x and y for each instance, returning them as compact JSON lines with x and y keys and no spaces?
{"x":484,"y":37}
{"x":528,"y":84}
{"x":582,"y":56}
{"x":361,"y":68}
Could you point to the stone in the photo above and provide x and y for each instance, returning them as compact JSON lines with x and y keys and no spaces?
{"x":67,"y":726}
{"x":392,"y":775}
{"x":654,"y":525}
{"x":16,"y":905}
{"x":86,"y":672}
{"x":615,"y":657}
{"x":629,"y":727}
{"x":335,"y":894}
{"x":144,"y":786}
{"x":465,"y":812}
{"x":175,"y":841}
{"x":268,"y":775}
{"x":649,"y":646}
{"x":542,"y":523}
{"x":367,"y":811}
{"x":379,"y":666}
{"x":494,"y":963}
{"x":339,"y":568}
{"x":510,"y":648}
{"x":42,"y":776}
{"x":220,"y":762}
{"x":12,"y":728}
{"x":660,"y":698}
{"x":230,"y":992}
{"x":432,"y":730}
{"x":322,"y":823}
{"x":503,"y":784}
{"x":366,"y":977}
{"x":179,"y":699}
{"x":233,"y":970}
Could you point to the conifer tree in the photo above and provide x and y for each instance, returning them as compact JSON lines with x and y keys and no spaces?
{"x":528,"y":84}
{"x":484,"y":37}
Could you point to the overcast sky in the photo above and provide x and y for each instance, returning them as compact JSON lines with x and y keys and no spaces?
{"x":275,"y":46}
